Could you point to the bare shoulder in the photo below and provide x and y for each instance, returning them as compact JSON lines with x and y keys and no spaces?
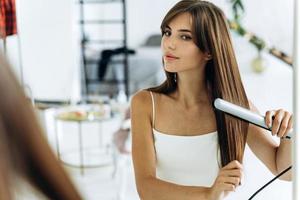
{"x":141,"y":95}
{"x":142,"y":101}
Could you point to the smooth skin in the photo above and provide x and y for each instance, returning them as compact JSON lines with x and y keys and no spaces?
{"x":180,"y":113}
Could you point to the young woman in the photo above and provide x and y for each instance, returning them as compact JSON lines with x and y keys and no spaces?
{"x":182,"y":147}
{"x":24,"y":151}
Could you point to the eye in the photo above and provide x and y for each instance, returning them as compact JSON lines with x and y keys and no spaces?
{"x":186,"y":37}
{"x":167,"y":33}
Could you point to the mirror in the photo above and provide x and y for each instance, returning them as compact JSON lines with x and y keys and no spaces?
{"x":47,"y":55}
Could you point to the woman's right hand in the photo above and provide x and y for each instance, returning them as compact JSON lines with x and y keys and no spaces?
{"x":228,"y":179}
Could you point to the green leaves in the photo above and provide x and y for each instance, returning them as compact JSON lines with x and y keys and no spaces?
{"x":238,"y":12}
{"x":238,"y":9}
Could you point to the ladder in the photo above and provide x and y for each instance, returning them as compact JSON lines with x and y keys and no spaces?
{"x":85,"y":41}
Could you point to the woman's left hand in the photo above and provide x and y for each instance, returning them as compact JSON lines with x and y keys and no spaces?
{"x":280,"y":122}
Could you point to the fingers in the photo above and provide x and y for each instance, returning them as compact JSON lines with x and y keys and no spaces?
{"x":290,"y":124}
{"x":233,"y":176}
{"x":268,"y":118}
{"x":284,"y":124}
{"x":231,"y":180}
{"x":232,"y":173}
{"x":233,"y":165}
{"x":279,"y":121}
{"x":227,"y":187}
{"x":227,"y":183}
{"x":230,"y":176}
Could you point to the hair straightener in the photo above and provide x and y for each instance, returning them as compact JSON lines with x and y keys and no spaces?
{"x":251,"y":117}
{"x":244,"y":114}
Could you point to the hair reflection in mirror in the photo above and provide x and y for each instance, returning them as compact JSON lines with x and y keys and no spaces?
{"x":24,"y":151}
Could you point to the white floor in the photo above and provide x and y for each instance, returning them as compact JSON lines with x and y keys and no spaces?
{"x":98,"y":184}
{"x":95,"y":184}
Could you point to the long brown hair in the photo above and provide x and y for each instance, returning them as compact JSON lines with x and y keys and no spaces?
{"x":211,"y":33}
{"x":24,"y":151}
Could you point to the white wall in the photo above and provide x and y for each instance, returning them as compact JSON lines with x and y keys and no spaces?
{"x":273,"y":21}
{"x":144,"y":17}
{"x":48,"y":33}
{"x":49,"y":60}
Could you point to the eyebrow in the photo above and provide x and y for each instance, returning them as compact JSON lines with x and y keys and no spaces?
{"x":180,"y":30}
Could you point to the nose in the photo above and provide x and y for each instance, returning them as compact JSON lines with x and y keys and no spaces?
{"x":169,"y":43}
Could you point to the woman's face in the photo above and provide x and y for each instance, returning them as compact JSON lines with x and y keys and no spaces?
{"x":180,"y":53}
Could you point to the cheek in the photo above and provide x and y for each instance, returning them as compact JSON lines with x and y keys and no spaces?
{"x":193,"y":53}
{"x":192,"y":58}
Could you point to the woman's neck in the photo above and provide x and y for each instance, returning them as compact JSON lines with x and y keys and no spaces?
{"x":192,"y":89}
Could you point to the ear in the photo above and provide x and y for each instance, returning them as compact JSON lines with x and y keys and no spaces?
{"x":208,"y":56}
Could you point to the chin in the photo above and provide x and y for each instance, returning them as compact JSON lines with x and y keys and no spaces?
{"x":175,"y":69}
{"x":171,"y":69}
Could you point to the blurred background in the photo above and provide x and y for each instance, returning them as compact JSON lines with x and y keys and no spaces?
{"x":79,"y":63}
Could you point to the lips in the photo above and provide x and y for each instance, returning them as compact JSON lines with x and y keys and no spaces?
{"x":170,"y":57}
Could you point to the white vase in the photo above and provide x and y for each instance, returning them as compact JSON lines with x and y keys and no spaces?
{"x":259,"y":64}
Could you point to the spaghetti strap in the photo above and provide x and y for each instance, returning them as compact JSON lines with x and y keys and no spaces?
{"x":153,"y":109}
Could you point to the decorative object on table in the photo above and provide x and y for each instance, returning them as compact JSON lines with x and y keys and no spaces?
{"x":86,"y":112}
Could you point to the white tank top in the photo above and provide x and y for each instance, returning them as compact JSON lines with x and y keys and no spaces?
{"x":186,"y":160}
